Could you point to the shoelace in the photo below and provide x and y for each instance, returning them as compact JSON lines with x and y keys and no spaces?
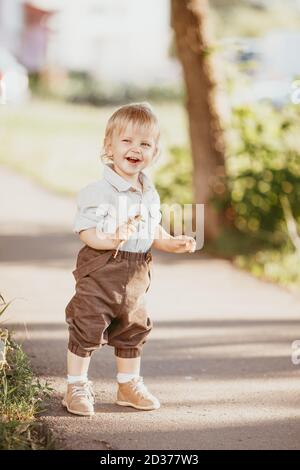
{"x":141,"y":388}
{"x":84,"y":390}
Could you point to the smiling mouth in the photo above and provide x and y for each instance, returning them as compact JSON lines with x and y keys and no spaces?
{"x":133,"y":159}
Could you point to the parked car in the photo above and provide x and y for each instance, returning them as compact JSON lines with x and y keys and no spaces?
{"x":14,"y":83}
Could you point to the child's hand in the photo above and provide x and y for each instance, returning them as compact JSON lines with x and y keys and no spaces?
{"x":183,"y":244}
{"x":125,"y":231}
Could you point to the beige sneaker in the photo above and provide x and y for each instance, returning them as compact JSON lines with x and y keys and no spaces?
{"x":135,"y":394}
{"x":79,"y":399}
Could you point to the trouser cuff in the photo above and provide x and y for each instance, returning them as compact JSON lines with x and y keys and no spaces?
{"x":127,"y":353}
{"x":76,"y":349}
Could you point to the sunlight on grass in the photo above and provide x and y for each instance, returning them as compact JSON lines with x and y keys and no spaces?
{"x":59,"y":144}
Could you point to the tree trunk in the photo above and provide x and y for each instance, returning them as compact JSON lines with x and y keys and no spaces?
{"x":189,"y":22}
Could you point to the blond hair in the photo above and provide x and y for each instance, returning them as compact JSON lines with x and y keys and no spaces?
{"x":138,"y":114}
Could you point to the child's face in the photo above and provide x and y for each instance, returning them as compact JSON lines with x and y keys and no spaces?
{"x":132,"y":149}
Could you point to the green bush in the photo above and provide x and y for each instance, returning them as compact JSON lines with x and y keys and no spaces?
{"x":81,"y":87}
{"x":22,"y":398}
{"x":173,"y":180}
{"x":280,"y":266}
{"x":90,"y":91}
{"x":263,"y":164}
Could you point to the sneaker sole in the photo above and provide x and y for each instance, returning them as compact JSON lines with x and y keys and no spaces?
{"x":145,"y":408}
{"x":80,"y":413}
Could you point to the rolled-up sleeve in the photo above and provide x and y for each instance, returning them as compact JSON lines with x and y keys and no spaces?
{"x":91,"y":210}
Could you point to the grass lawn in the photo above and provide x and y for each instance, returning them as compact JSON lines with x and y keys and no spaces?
{"x":58,"y":144}
{"x":22,"y":399}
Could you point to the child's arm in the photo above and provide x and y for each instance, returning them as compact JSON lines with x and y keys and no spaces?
{"x":165,"y":242}
{"x":104,"y":240}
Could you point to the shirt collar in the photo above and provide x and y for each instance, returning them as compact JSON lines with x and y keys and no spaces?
{"x":120,"y":183}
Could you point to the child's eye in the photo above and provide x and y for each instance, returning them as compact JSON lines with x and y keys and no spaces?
{"x":125,"y":140}
{"x":147,"y":145}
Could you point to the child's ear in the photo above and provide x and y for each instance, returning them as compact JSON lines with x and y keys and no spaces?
{"x":157,"y":152}
{"x":108,"y":148}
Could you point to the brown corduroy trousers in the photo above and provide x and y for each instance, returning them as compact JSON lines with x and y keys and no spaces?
{"x":108,"y":306}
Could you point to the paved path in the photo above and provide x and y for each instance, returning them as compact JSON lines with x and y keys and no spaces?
{"x":219,"y":357}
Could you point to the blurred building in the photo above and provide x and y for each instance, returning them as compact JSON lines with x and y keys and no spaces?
{"x":279,"y":55}
{"x":35,"y":36}
{"x":115,"y":40}
{"x":24,"y":31}
{"x":270,"y":62}
{"x":11,"y":21}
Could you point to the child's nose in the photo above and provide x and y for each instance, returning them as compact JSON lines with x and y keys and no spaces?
{"x":136,"y":149}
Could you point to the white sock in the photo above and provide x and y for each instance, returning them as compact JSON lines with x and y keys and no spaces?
{"x":71,"y":379}
{"x":122,"y":378}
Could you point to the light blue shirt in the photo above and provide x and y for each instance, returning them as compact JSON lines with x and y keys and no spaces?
{"x":108,"y":202}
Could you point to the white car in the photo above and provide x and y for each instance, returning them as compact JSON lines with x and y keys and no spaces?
{"x":14,"y":85}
